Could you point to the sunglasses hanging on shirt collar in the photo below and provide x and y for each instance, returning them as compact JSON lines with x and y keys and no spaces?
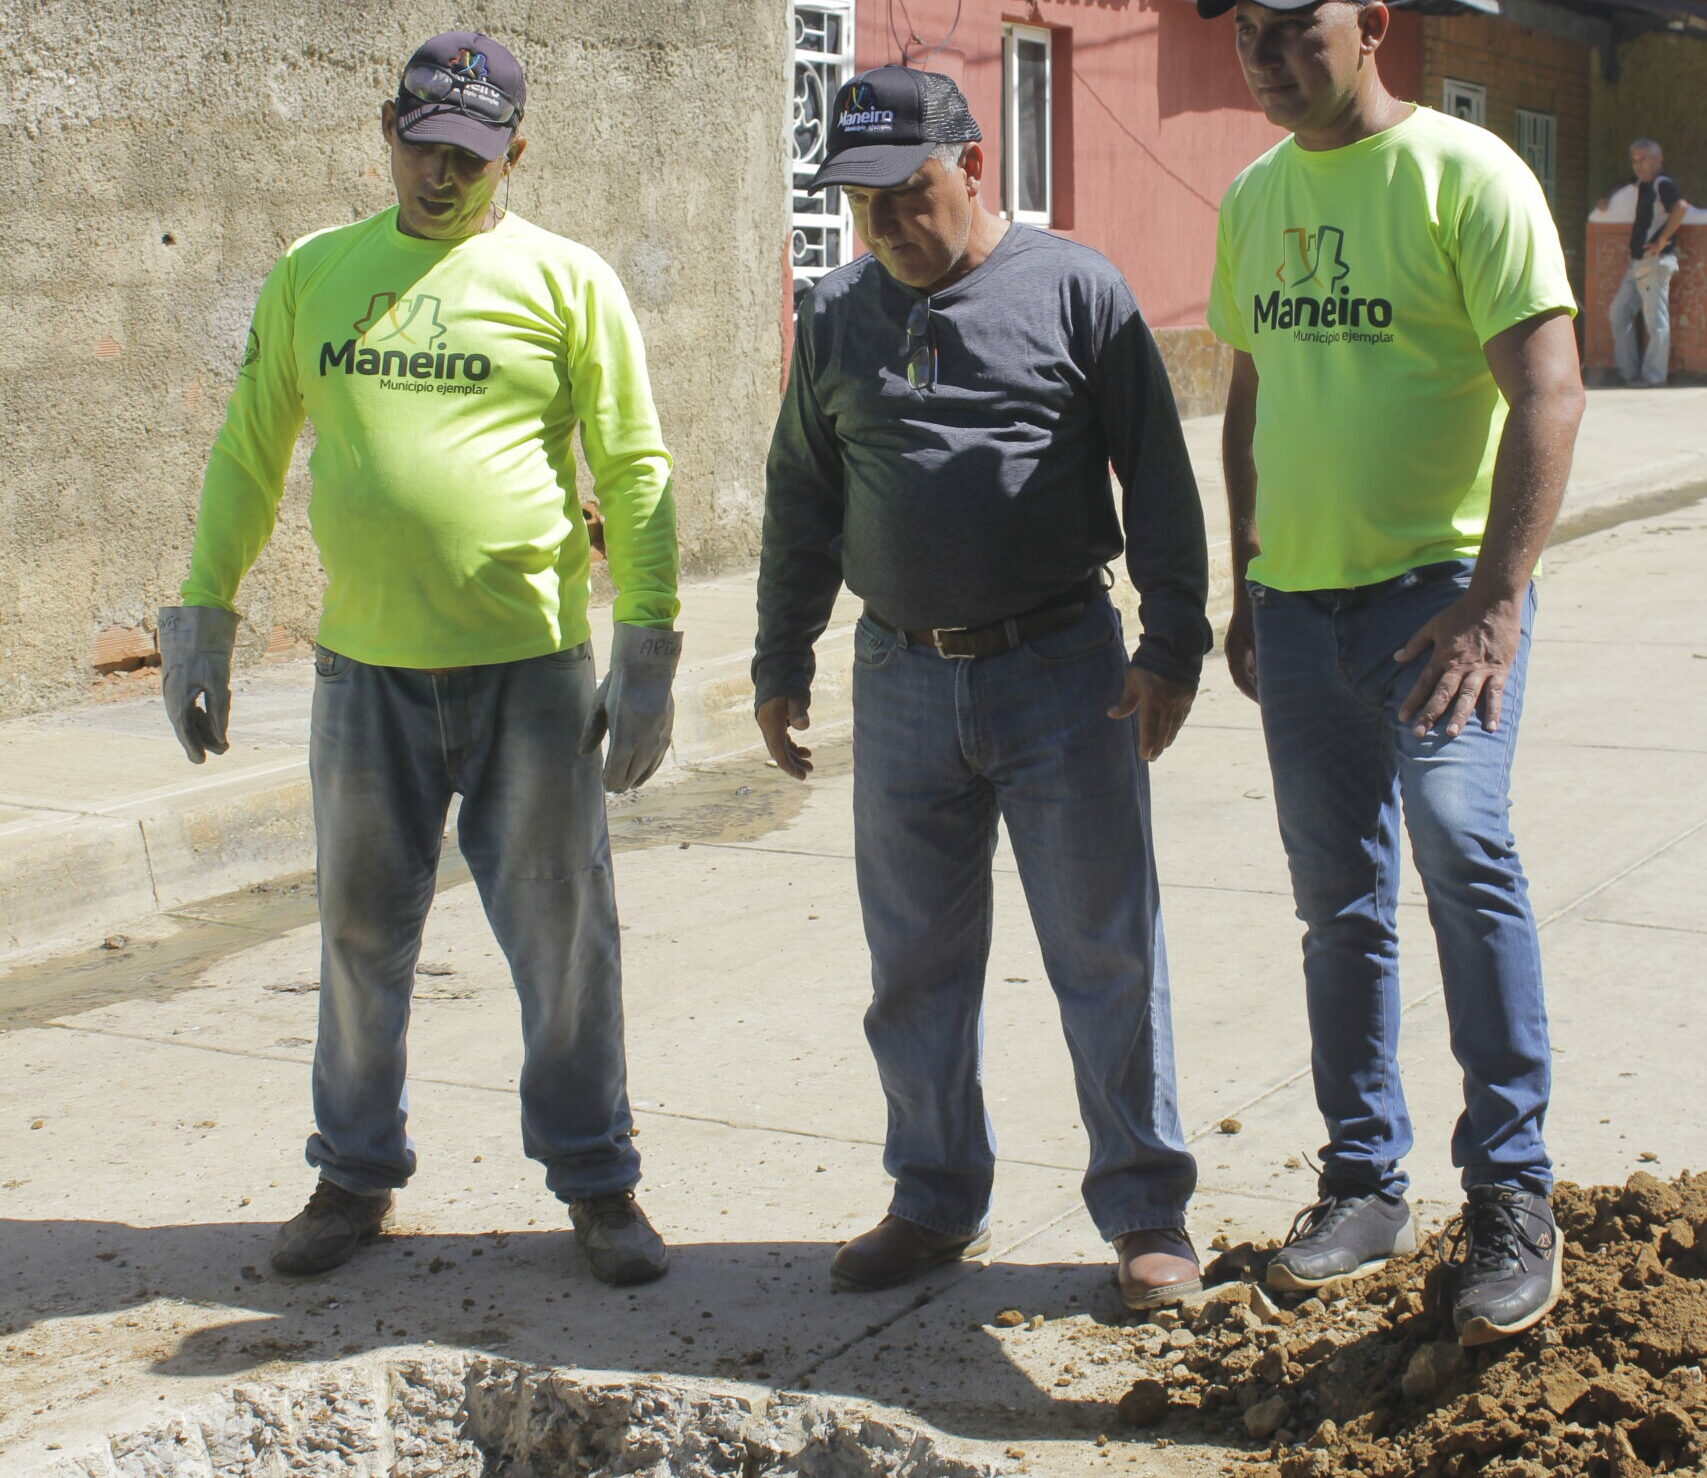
{"x":921,"y":358}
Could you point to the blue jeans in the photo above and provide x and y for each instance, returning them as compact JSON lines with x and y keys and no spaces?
{"x":1644,"y":293}
{"x":388,"y":748}
{"x":943,"y":746}
{"x":1343,"y":763}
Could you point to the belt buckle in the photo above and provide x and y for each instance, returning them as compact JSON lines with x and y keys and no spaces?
{"x":939,"y":632}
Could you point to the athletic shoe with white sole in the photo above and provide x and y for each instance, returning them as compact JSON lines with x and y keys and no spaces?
{"x":1349,"y":1233}
{"x":1508,"y":1276}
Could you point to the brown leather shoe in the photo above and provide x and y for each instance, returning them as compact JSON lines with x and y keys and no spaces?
{"x":896,"y":1251}
{"x":1156,"y":1268}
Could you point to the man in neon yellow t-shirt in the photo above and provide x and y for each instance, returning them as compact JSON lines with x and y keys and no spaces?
{"x":447,"y":353}
{"x":1404,"y":399}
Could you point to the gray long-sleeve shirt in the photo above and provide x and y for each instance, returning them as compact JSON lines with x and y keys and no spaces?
{"x":984,"y":497}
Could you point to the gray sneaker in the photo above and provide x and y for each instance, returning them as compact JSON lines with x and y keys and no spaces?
{"x":620,"y":1243}
{"x":1346,"y":1234}
{"x":1507,"y":1272}
{"x":327,"y":1231}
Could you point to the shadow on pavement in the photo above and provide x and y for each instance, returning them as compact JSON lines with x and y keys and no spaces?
{"x":199,"y":1301}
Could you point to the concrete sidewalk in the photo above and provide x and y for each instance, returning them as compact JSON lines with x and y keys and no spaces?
{"x":102,"y":821}
{"x":154,"y":1098}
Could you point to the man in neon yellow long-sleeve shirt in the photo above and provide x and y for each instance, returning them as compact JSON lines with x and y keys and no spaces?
{"x":447,"y":352}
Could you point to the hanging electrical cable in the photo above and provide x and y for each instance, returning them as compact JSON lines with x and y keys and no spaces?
{"x":905,"y":48}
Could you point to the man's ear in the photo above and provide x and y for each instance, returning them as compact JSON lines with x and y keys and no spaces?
{"x":972,"y":161}
{"x":513,"y":155}
{"x":1374,"y":20}
{"x":387,"y":119}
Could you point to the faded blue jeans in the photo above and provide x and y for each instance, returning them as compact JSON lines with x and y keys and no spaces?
{"x":389,"y":746}
{"x":1644,"y":293}
{"x":942,"y":747}
{"x":1343,"y":764}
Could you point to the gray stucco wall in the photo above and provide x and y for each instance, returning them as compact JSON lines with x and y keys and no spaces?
{"x":158,"y":159}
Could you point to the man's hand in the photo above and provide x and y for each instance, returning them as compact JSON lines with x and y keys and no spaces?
{"x":1240,"y":646}
{"x":1161,"y":705}
{"x":776,"y":716}
{"x":634,"y":705}
{"x":195,"y":662}
{"x":1653,"y":248}
{"x":1474,"y":646}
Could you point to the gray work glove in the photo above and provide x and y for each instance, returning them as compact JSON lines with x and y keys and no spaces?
{"x":195,"y":662}
{"x":634,"y":705}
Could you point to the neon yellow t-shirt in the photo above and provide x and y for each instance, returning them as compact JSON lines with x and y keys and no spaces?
{"x":1364,"y":282}
{"x":445,"y":382}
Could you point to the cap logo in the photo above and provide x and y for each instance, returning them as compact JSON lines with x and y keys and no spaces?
{"x":470,"y":63}
{"x":860,"y":114}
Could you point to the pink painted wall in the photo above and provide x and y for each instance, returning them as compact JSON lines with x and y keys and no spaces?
{"x":1155,"y":124}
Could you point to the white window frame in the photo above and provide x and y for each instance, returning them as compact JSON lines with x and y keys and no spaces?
{"x":1538,"y":143}
{"x":1012,"y":35}
{"x":821,"y":233}
{"x":1454,"y":91}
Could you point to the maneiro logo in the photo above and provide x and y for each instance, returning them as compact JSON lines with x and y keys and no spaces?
{"x":1315,"y":298}
{"x":860,"y":113}
{"x":404,"y":343}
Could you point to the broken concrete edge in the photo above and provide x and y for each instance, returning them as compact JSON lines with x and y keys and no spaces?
{"x":456,"y":1413}
{"x":73,"y":882}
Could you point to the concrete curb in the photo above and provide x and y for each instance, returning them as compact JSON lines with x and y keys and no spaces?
{"x":71,"y":878}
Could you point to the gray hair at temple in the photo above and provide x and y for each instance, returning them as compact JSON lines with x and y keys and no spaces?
{"x":948,"y":155}
{"x":1648,"y":146}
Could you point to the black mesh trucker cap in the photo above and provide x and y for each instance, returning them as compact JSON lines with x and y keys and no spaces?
{"x":886,"y":122}
{"x":1209,"y":9}
{"x":461,"y":88}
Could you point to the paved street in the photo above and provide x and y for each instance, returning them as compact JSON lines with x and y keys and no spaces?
{"x":154,"y":1098}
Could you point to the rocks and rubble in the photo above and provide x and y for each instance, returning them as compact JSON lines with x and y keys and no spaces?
{"x":1367,"y":1377}
{"x":460,"y":1416}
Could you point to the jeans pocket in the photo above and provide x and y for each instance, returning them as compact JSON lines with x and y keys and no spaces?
{"x":873,"y":646}
{"x":1093,"y":632}
{"x":329,"y":665}
{"x":1258,"y":593}
{"x":570,"y":656}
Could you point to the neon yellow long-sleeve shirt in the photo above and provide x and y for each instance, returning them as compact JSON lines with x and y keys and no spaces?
{"x":445,"y":382}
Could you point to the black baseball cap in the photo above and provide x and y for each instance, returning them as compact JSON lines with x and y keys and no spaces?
{"x":885,"y":123}
{"x":462,"y":88}
{"x":1209,"y":9}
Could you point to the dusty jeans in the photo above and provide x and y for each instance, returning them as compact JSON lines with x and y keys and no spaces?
{"x":389,"y":747}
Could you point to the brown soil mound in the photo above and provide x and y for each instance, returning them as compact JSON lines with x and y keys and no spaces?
{"x":1367,"y":1378}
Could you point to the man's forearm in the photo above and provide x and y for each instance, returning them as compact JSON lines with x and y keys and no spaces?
{"x":1530,"y":474}
{"x":1535,"y":366}
{"x":1239,"y":467}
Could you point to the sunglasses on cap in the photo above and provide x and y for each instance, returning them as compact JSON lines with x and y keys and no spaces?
{"x":475,"y":95}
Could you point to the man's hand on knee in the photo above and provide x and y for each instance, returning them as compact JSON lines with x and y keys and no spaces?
{"x":1474,"y":646}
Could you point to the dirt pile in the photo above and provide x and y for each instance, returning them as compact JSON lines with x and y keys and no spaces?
{"x":1368,"y":1378}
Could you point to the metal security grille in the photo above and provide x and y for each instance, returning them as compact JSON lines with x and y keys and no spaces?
{"x":1536,"y":134}
{"x":823,"y":60}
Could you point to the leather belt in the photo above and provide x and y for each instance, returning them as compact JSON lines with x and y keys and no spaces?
{"x":991,"y":640}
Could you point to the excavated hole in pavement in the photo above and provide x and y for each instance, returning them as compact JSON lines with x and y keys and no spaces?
{"x":460,"y":1416}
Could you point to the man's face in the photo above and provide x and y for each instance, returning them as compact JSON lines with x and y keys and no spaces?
{"x":1645,"y":164}
{"x":443,"y":192}
{"x":918,"y":230}
{"x":1302,"y":66}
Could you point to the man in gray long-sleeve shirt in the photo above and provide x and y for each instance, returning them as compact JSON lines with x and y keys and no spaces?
{"x":944,"y":446}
